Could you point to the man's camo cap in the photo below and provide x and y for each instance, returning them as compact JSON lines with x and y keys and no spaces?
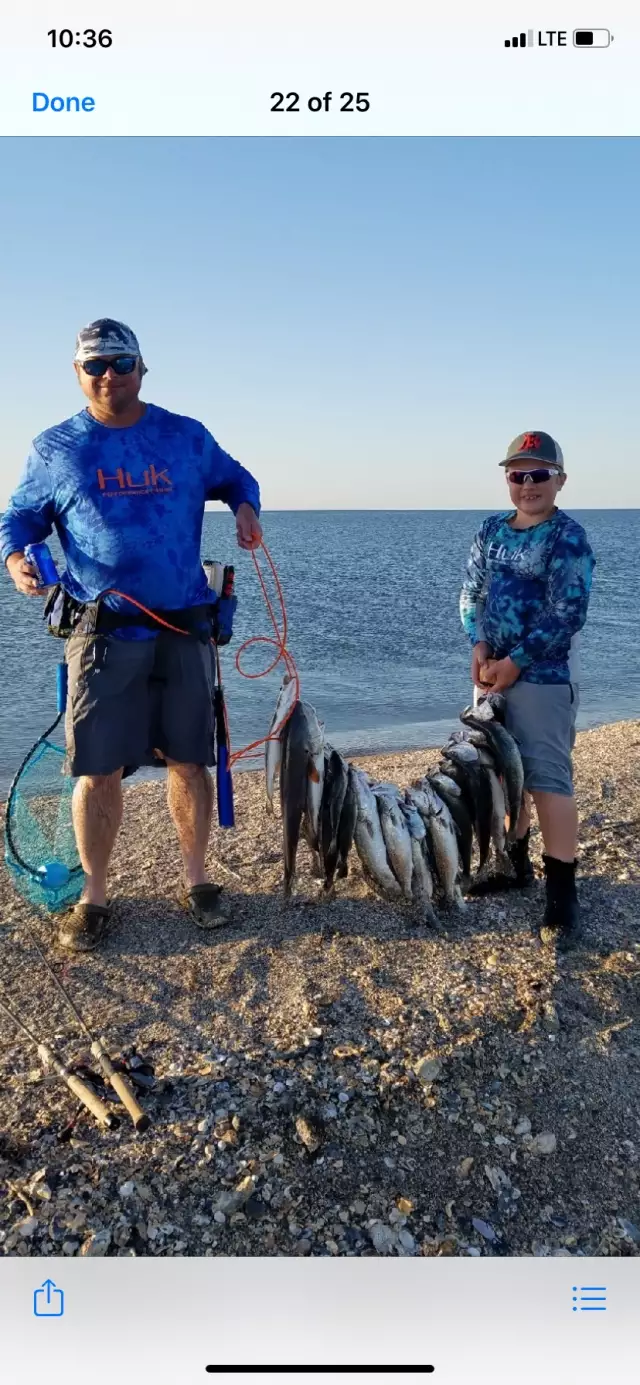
{"x":106,"y":337}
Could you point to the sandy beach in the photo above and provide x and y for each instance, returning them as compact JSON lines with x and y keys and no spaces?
{"x":386,"y":1089}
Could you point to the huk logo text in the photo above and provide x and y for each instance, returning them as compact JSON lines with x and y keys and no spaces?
{"x":122,"y":482}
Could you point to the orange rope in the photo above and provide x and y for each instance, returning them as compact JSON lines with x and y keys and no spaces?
{"x":278,"y":641}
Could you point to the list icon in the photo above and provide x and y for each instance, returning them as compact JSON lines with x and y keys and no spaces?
{"x":589,"y":1298}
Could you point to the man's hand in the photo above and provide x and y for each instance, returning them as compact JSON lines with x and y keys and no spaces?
{"x":481,"y":652}
{"x":499,"y":674}
{"x":23,"y":575}
{"x":248,"y":527}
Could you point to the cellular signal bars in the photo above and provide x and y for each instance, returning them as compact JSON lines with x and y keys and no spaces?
{"x":520,"y":40}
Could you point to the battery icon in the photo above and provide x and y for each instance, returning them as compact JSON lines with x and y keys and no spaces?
{"x":591,"y":38}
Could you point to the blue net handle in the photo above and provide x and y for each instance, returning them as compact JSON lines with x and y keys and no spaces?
{"x":61,"y":687}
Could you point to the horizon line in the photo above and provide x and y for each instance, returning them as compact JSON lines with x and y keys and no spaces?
{"x":415,"y":510}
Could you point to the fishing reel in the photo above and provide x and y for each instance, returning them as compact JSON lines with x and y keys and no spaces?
{"x":220,"y":581}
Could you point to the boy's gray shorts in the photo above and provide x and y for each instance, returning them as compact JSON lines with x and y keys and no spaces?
{"x":144,"y":695}
{"x":542,"y":717}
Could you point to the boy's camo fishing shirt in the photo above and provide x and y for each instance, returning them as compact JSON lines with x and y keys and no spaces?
{"x":526,"y":593}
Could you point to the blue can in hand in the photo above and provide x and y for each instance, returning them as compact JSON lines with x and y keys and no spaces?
{"x":40,"y":558}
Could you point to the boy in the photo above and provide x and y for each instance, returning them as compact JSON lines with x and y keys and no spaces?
{"x":524,"y":599}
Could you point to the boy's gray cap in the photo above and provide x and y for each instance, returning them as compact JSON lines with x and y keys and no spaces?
{"x":106,"y":337}
{"x":535,"y":447}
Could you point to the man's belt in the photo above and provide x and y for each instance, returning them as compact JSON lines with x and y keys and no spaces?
{"x":65,"y":615}
{"x":99,"y":619}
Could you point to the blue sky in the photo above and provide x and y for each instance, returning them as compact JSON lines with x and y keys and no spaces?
{"x":362,"y":322}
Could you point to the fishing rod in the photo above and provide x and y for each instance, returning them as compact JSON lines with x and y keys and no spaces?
{"x":51,"y":1059}
{"x":99,"y":1049}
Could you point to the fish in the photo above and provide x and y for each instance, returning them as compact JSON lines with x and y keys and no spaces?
{"x":461,"y":752}
{"x":467,"y":736}
{"x":486,"y":758}
{"x":462,"y":733}
{"x":482,"y":713}
{"x":498,"y":830}
{"x":507,"y":757}
{"x":397,"y":839}
{"x":421,"y":879}
{"x":315,"y":785}
{"x":423,"y":796}
{"x":317,"y":870}
{"x":451,"y":796}
{"x":273,"y":748}
{"x":300,"y":740}
{"x":347,"y":826}
{"x":311,"y":832}
{"x":447,"y":769}
{"x":336,"y":781}
{"x":477,"y":738}
{"x":497,"y":703}
{"x":487,"y":761}
{"x":443,"y":840}
{"x":476,"y":792}
{"x":369,"y":841}
{"x":415,"y":823}
{"x":447,"y":783}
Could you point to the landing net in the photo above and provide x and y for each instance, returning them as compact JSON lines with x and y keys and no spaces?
{"x":40,"y":848}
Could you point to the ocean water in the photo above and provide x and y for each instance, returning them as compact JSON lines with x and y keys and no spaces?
{"x":372,"y":604}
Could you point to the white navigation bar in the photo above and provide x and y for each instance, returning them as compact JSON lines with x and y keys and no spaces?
{"x":346,"y":67}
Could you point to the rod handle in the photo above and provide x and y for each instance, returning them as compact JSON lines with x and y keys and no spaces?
{"x":120,"y":1085}
{"x":77,"y":1086}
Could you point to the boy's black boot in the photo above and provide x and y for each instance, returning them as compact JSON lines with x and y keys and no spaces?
{"x":523,"y":874}
{"x":518,"y":853}
{"x":561,"y":922}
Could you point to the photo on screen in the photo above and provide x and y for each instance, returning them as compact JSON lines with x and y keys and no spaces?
{"x":318,"y":733}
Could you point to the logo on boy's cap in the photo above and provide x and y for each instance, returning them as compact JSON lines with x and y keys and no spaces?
{"x":535,"y":446}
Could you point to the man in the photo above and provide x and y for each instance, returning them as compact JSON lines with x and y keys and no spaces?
{"x":124,"y":485}
{"x":523,"y":601}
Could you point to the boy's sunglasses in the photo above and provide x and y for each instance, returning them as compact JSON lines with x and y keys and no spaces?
{"x":122,"y":365}
{"x":541,"y":474}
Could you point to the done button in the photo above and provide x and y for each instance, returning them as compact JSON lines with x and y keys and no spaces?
{"x":42,"y":102}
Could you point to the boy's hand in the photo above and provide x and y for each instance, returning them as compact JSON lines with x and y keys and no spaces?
{"x":499,"y":674}
{"x":481,"y":653}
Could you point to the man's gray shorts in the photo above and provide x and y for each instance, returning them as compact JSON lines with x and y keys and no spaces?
{"x":146,"y":695}
{"x":542,"y":717}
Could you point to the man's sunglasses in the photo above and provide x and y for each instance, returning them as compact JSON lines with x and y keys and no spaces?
{"x":121,"y":365}
{"x":538,"y":477}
